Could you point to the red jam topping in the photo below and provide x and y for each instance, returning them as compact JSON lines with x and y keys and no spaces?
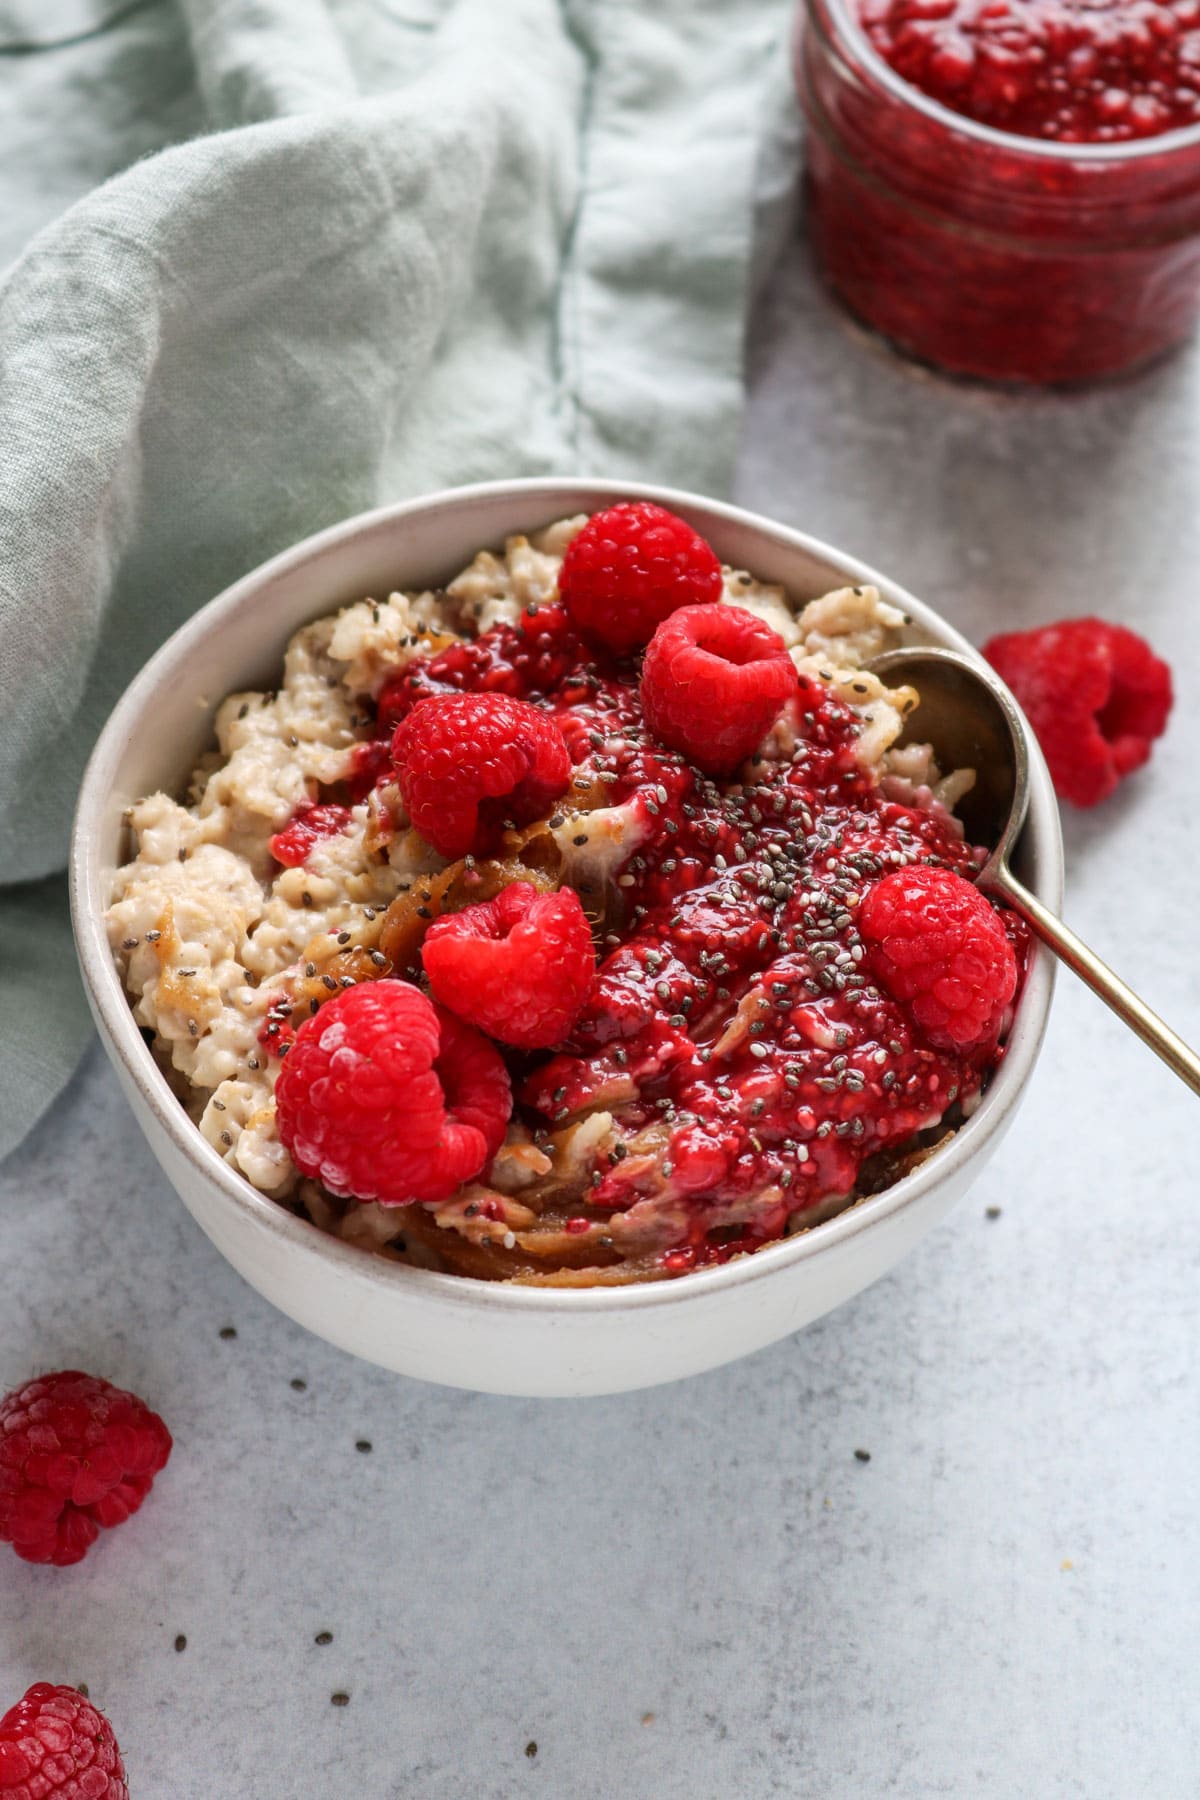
{"x":276,"y":1033}
{"x":370,"y":764}
{"x":1078,"y":71}
{"x":731,"y":1007}
{"x":307,"y":826}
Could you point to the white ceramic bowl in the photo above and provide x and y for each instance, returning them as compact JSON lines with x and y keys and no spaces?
{"x":481,"y":1335}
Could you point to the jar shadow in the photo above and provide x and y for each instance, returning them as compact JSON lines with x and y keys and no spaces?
{"x":1002,"y":508}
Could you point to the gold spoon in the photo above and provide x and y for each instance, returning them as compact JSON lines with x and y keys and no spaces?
{"x":972,"y":722}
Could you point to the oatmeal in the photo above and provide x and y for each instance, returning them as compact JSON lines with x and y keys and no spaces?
{"x":738,"y":1063}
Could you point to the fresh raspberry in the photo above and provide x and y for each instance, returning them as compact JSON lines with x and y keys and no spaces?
{"x":519,"y":966}
{"x":1096,"y":696}
{"x":387,"y":1097}
{"x":54,"y":1745}
{"x":713,"y":683}
{"x":306,"y":827}
{"x":75,"y":1454}
{"x":631,"y":567}
{"x":466,"y":763}
{"x":936,"y":944}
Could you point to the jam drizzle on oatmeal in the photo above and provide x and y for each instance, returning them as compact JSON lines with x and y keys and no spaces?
{"x":753,"y":1070}
{"x":307,"y":826}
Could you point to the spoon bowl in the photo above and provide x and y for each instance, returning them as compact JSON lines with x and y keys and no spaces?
{"x":972,"y":722}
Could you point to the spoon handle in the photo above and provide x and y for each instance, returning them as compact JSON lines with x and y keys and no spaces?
{"x":1099,"y":977}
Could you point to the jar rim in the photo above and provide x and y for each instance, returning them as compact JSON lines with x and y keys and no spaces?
{"x":1011,"y":143}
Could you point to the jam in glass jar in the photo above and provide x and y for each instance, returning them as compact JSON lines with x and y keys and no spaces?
{"x":1063,"y":256}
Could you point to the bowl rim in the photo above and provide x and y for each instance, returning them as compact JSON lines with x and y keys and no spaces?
{"x":123,"y":1038}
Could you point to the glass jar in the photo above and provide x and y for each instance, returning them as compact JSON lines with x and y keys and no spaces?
{"x":1004,"y":257}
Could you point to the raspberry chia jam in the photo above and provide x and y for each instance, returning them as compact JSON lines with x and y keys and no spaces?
{"x":1007,"y":189}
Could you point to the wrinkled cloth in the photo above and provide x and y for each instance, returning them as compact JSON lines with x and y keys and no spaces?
{"x":278,"y":261}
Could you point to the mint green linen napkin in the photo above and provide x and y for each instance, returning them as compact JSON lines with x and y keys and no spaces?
{"x":349,"y":252}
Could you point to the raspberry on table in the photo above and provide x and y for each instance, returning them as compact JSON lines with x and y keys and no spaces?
{"x":1096,"y":696}
{"x":629,"y":568}
{"x":935,"y":944}
{"x":519,"y":966}
{"x":75,"y":1454}
{"x":469,"y":763}
{"x":385,"y":1096}
{"x":55,"y":1745}
{"x":713,"y":683}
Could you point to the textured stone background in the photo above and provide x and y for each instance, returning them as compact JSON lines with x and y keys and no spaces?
{"x":698,"y":1593}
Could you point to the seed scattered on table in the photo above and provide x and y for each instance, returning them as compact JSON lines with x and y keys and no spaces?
{"x":531,"y":1749}
{"x":992,"y":1212}
{"x":339,"y":1699}
{"x":228,"y":1331}
{"x":862,"y":1455}
{"x":181,"y":1642}
{"x":323,"y":1637}
{"x":81,"y":1687}
{"x":299,"y":1383}
{"x":363,"y":1444}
